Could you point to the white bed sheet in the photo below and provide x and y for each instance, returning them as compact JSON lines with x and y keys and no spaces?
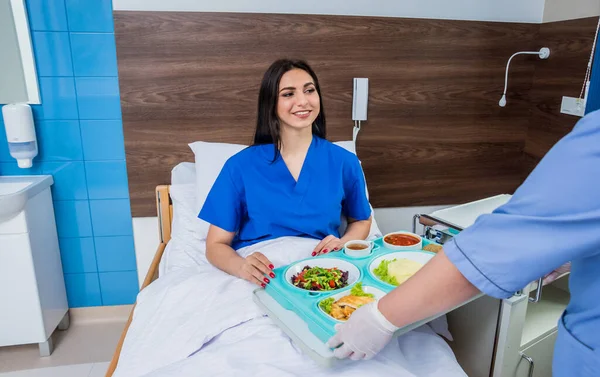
{"x":196,"y":320}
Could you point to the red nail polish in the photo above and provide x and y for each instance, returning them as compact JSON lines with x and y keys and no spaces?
{"x":263,"y":285}
{"x":266,"y":280}
{"x":271,"y":275}
{"x":335,"y":248}
{"x":271,"y":266}
{"x":325,"y":251}
{"x":314,"y":253}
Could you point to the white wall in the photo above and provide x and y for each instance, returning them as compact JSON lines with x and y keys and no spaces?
{"x":529,"y":11}
{"x":560,"y":10}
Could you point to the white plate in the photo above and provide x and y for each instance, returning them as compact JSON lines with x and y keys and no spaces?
{"x":367,"y":289}
{"x":353,"y":272}
{"x":417,"y":256}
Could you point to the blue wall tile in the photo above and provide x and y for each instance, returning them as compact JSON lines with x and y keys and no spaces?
{"x":90,"y":15}
{"x":47,"y":15}
{"x":64,"y":49}
{"x":102,"y":140}
{"x":69,"y":180}
{"x":119,"y":288}
{"x":98,"y":97}
{"x":58,"y":99}
{"x":94,"y":54}
{"x":78,"y":255}
{"x":52,"y":53}
{"x":83,"y":290}
{"x":111,"y":217}
{"x":73,"y":218}
{"x":115,"y":253}
{"x":11,"y":168}
{"x":59,"y":140}
{"x":107,"y":179}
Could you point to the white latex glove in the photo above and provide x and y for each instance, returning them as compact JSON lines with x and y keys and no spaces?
{"x":363,"y":335}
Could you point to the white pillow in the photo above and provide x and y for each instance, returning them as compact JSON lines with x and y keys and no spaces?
{"x":210,"y":158}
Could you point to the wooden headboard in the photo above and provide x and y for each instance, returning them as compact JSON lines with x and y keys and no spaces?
{"x":433,"y":118}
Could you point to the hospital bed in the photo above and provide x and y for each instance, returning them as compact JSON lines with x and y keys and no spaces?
{"x":499,"y":338}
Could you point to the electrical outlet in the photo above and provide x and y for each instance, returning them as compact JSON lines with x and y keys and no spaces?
{"x":572,"y":106}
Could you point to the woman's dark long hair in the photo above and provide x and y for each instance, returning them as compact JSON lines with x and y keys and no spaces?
{"x":267,"y":123}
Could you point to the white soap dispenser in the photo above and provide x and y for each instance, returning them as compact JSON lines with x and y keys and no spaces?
{"x":20,"y":133}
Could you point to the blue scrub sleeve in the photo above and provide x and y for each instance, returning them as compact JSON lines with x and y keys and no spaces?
{"x":356,"y":205}
{"x":223,"y":205}
{"x":553,"y":218}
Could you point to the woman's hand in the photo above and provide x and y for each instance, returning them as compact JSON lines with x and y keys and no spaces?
{"x":328,"y":244}
{"x":255,"y":268}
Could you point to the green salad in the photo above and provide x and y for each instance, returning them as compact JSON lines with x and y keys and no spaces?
{"x":382,"y":272}
{"x":355,"y":291}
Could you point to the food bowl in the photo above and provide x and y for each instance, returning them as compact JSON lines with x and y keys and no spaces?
{"x":359,"y":248}
{"x":416,"y":256}
{"x":296,"y":268}
{"x":378,"y":293}
{"x":402,"y":241}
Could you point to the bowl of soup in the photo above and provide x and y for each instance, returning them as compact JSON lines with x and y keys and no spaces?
{"x":402,"y":241}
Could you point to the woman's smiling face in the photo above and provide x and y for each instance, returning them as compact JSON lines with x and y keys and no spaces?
{"x":298,"y":102}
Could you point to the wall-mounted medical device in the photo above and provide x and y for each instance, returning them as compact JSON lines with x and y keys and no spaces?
{"x":360,"y":99}
{"x":20,"y":133}
{"x":543,"y":53}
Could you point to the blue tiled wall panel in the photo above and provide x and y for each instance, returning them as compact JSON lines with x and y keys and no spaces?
{"x":107,"y":179}
{"x":98,"y":97}
{"x":69,"y":179}
{"x":47,"y":15}
{"x":83,"y":290}
{"x":102,"y":140}
{"x":115,"y":253}
{"x":78,"y":255}
{"x":73,"y":218}
{"x":94,"y":54}
{"x":90,"y":15}
{"x":80,"y":142}
{"x":119,"y":288}
{"x":59,"y":140}
{"x":111,"y":217}
{"x":59,"y":100}
{"x":52,"y":53}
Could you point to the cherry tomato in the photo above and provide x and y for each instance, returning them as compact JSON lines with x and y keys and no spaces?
{"x":332,"y":283}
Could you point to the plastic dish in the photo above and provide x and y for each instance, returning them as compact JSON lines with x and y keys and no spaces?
{"x":418,"y":256}
{"x":416,"y":246}
{"x":353,"y":272}
{"x":368,"y":247}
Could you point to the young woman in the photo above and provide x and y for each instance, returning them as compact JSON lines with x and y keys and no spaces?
{"x":291,"y":182}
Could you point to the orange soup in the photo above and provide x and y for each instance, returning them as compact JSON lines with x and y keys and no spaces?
{"x":401,"y":240}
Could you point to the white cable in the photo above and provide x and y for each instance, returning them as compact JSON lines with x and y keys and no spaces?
{"x":588,"y":71}
{"x":355,"y":132}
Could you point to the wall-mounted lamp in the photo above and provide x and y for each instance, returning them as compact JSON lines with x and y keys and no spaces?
{"x":543,"y":53}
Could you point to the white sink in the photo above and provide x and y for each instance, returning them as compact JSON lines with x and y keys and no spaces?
{"x":16,"y":190}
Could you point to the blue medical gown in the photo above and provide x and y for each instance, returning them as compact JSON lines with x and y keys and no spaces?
{"x":553,"y":218}
{"x":259,"y":199}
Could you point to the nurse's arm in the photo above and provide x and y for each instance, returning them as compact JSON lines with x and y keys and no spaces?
{"x":436,"y":287}
{"x":221,"y":255}
{"x":357,"y":230}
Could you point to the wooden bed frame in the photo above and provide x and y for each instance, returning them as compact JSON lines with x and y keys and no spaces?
{"x":164,"y":209}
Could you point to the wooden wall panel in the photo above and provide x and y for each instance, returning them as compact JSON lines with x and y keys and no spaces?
{"x":571,"y":45}
{"x":434,"y":87}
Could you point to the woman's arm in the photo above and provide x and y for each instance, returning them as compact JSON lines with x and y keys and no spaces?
{"x":220,"y":254}
{"x":356,"y":230}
